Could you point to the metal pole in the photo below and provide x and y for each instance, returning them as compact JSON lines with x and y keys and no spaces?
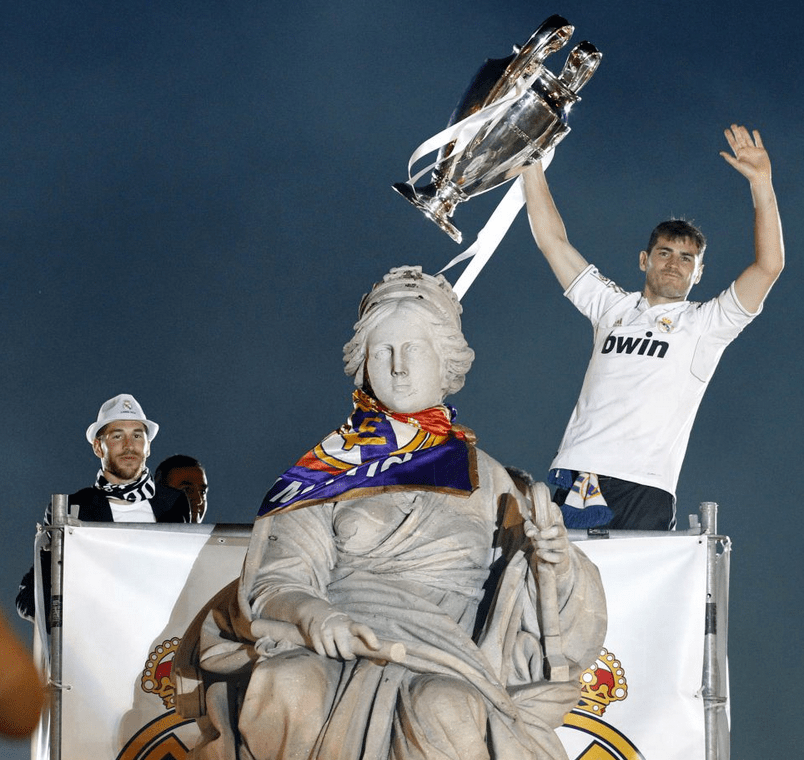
{"x":59,"y":502}
{"x":708,"y":510}
{"x":714,"y":700}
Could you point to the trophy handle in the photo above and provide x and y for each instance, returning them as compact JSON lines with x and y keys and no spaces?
{"x":552,"y":35}
{"x":582,"y":62}
{"x":498,"y":75}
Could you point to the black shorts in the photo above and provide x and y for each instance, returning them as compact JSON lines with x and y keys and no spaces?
{"x":634,"y":506}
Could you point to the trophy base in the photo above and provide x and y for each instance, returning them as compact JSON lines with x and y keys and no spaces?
{"x":433,"y":208}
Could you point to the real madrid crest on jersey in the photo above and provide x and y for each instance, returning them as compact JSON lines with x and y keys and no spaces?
{"x":665,"y":324}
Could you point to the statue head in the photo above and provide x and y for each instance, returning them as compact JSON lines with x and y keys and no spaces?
{"x":412,"y":315}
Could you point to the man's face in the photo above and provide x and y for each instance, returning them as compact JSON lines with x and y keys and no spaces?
{"x":671,"y":268}
{"x":193,"y":481}
{"x":403,"y":364}
{"x":122,"y":447}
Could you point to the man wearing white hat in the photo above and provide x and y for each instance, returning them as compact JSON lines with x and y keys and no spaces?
{"x":124,"y":490}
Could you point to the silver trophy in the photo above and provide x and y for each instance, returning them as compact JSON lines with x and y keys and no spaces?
{"x":530,"y":125}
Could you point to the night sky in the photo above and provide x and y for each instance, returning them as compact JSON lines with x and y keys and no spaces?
{"x":195,"y":195}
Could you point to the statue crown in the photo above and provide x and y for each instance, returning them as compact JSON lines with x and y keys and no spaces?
{"x":410,"y":282}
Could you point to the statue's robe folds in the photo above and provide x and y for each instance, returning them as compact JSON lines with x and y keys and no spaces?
{"x":453,"y":579}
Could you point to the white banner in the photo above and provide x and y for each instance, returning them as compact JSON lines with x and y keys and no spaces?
{"x":656,"y":598}
{"x":129,"y":595}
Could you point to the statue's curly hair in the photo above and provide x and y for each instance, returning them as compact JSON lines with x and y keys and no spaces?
{"x":450,"y":343}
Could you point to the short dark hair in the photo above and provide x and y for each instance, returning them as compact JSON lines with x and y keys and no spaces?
{"x":166,"y":466}
{"x":673,"y":229}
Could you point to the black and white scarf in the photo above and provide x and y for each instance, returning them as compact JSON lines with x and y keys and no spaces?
{"x":140,"y":490}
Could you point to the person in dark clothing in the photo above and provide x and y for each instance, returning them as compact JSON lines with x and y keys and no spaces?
{"x":188,"y":475}
{"x":124,"y":490}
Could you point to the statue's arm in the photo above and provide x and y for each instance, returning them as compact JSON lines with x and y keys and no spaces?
{"x":286,"y":575}
{"x":571,"y":596}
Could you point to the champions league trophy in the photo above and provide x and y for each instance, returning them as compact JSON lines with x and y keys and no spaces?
{"x":513,"y":113}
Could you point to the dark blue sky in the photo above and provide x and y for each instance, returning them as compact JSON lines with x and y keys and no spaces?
{"x":194,"y":197}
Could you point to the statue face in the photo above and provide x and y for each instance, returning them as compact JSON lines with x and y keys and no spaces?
{"x":403,"y":363}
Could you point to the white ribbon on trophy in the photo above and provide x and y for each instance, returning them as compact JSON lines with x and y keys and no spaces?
{"x":463,"y":132}
{"x":489,"y":238}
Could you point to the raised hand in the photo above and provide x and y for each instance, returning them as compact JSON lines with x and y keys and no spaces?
{"x":748,"y":155}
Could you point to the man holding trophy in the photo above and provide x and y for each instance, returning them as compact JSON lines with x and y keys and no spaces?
{"x":654,"y":352}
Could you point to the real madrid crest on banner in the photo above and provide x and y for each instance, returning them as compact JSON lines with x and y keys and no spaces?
{"x":167,"y":737}
{"x":591,"y":737}
{"x":585,"y":734}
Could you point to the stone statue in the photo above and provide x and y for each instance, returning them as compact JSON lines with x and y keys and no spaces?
{"x":389,"y":604}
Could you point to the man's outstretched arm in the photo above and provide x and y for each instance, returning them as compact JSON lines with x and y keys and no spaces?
{"x":548,"y":228}
{"x":751,"y":159}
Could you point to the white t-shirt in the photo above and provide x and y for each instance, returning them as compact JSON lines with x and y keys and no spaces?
{"x":649,"y":369}
{"x":132,"y":511}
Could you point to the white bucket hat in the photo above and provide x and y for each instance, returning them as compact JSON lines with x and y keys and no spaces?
{"x":122,"y":407}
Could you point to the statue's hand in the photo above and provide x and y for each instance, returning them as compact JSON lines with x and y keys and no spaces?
{"x":544,"y":526}
{"x":333,"y":633}
{"x":551,"y":544}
